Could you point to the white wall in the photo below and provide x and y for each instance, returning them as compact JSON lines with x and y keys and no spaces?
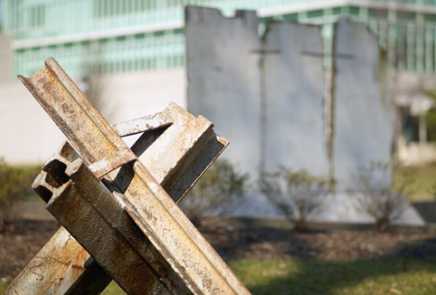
{"x":130,"y":95}
{"x":29,"y":136}
{"x":27,"y":133}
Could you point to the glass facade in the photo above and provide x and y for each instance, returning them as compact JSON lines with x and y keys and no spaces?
{"x":107,"y":36}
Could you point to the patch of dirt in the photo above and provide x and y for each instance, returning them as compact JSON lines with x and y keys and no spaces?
{"x":19,"y":242}
{"x":245,"y":238}
{"x":242,"y":238}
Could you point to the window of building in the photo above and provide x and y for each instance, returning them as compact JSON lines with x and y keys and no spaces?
{"x":37,"y":15}
{"x":108,"y":8}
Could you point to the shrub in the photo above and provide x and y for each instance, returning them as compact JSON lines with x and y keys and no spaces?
{"x":385,"y":206}
{"x":383,"y":203}
{"x":296,"y":194}
{"x":15,"y":184}
{"x":220,"y":185}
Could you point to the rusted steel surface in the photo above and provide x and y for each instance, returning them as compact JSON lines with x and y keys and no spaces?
{"x":86,"y":208}
{"x":152,"y":209}
{"x":62,"y":256}
{"x":62,"y":266}
{"x":61,"y":277}
{"x":143,"y":124}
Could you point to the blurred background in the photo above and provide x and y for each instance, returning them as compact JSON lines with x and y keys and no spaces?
{"x":329,"y":183}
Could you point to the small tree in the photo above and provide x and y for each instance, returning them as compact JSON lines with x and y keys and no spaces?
{"x":296,"y":194}
{"x":215,"y":191}
{"x":383,"y":203}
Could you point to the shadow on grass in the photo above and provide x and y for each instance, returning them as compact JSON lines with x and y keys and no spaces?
{"x":409,"y":270}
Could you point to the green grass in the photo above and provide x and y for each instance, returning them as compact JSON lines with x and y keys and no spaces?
{"x":361,"y":277}
{"x":419,"y":182}
{"x":291,"y":276}
{"x":113,"y":289}
{"x":385,"y":276}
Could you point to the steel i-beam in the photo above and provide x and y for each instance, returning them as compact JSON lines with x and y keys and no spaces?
{"x":152,"y":209}
{"x":155,"y":213}
{"x":82,"y":204}
{"x":62,"y":266}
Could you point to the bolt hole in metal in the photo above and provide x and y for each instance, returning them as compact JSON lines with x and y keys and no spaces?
{"x":44,"y":193}
{"x":56,"y":175}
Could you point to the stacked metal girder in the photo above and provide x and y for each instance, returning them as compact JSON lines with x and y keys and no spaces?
{"x":130,"y":226}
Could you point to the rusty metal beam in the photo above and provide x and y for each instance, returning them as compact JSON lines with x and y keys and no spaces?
{"x":152,"y":209}
{"x":61,"y":265}
{"x":82,"y":204}
{"x":61,"y":260}
{"x":146,"y":123}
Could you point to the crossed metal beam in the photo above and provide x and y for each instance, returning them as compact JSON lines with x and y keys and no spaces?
{"x":122,"y":213}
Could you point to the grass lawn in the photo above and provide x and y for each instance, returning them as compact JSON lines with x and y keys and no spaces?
{"x":418,"y":182}
{"x":376,"y":277}
{"x":414,"y":276}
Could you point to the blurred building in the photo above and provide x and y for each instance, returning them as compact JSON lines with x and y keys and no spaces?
{"x":111,"y":36}
{"x":130,"y":55}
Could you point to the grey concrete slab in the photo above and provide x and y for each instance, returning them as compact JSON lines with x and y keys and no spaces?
{"x":223,"y":78}
{"x":294,"y":105}
{"x":264,"y":94}
{"x":364,"y":119}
